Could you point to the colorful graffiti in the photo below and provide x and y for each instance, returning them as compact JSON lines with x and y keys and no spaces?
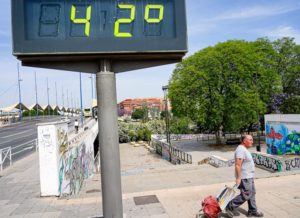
{"x":75,"y":165}
{"x":276,"y":163}
{"x":270,"y":163}
{"x":280,"y":140}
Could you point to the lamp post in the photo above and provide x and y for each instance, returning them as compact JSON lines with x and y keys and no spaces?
{"x":20,"y":99}
{"x":81,"y":107}
{"x":36,"y":96}
{"x":48,"y":98}
{"x":91,"y":77}
{"x":165,"y":90}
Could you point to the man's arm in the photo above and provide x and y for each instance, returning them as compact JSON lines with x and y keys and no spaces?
{"x":238,"y":170}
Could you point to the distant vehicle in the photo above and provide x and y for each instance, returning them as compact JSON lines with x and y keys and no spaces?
{"x":65,"y":119}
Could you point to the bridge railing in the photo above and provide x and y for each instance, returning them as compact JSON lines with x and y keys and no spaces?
{"x":5,"y":153}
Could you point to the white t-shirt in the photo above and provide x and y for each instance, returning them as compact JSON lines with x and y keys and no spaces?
{"x":76,"y":123}
{"x":248,"y":167}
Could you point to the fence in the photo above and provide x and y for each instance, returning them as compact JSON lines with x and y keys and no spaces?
{"x":4,"y":154}
{"x":169,"y":152}
{"x":7,"y":154}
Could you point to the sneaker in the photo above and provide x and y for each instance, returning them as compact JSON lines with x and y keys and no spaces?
{"x":255,"y":214}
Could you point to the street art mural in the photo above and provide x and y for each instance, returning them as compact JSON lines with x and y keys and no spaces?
{"x":282,"y":138}
{"x":76,"y":164}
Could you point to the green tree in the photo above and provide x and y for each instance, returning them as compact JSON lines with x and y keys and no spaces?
{"x":288,"y":68}
{"x":180,"y":125}
{"x":138,"y":114}
{"x":222,"y":87}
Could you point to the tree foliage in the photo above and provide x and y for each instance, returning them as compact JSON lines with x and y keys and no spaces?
{"x":225,"y":87}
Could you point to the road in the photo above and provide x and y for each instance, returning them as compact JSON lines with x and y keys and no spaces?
{"x":21,"y":137}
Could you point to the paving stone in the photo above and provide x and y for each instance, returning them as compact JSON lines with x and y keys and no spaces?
{"x":6,"y":210}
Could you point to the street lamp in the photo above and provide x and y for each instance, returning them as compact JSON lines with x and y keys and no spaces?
{"x":91,"y":77}
{"x":20,"y":99}
{"x":48,"y":98}
{"x":165,"y":90}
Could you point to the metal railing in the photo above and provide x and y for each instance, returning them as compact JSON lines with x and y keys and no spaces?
{"x":8,"y":152}
{"x":4,"y":154}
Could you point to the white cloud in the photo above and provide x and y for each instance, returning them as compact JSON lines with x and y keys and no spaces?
{"x":284,"y":31}
{"x":257,"y":11}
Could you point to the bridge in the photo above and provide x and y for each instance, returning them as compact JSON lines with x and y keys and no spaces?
{"x":72,"y":154}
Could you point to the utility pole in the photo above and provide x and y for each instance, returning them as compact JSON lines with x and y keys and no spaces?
{"x":81,"y":107}
{"x":91,"y":77}
{"x":72,"y":102}
{"x":165,"y":90}
{"x":56,"y":93}
{"x":20,"y":99}
{"x":68,"y":98}
{"x":62,"y":96}
{"x":36,"y":97}
{"x":48,"y":98}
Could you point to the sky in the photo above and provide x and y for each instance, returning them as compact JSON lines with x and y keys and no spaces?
{"x":208,"y":23}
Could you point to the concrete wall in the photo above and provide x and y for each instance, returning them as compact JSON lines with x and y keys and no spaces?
{"x":64,"y":161}
{"x":282,"y":133}
{"x":276,"y":163}
{"x":77,"y":162}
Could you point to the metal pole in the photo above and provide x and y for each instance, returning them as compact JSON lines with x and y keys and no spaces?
{"x":109,"y":142}
{"x":36,"y":97}
{"x":20,"y":99}
{"x":165,"y":89}
{"x":48,"y":98}
{"x":91,"y":77}
{"x":56,"y":93}
{"x":72,"y":103}
{"x":68,"y":98}
{"x":62,"y":96}
{"x":81,"y":108}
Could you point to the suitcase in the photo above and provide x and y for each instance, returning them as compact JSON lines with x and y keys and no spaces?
{"x":209,"y":209}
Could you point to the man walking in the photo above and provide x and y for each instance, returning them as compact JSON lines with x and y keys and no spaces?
{"x":76,"y":124}
{"x":244,"y":173}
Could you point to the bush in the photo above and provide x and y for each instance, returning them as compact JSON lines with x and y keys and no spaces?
{"x":134,"y":131}
{"x":180,"y":126}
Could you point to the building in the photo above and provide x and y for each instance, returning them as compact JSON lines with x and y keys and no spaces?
{"x":154,"y":105}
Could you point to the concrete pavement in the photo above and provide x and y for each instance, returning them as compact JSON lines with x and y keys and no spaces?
{"x":151,"y":187}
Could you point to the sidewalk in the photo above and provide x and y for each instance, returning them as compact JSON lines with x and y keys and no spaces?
{"x":177,"y":190}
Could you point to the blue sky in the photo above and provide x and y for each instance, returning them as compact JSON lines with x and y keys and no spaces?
{"x":209,"y":22}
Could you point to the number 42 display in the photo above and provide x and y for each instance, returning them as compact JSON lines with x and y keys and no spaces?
{"x":120,"y":21}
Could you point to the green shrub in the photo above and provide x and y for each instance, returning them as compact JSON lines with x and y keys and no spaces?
{"x":180,"y":126}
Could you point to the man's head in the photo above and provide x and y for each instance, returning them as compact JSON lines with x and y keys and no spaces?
{"x":247,"y":141}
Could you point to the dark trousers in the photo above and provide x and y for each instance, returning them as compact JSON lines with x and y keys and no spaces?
{"x":248,"y":192}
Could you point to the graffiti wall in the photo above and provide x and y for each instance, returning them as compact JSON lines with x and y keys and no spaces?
{"x":268,"y":162}
{"x":64,"y":163}
{"x":282,"y":134}
{"x":76,"y":164}
{"x":276,"y":163}
{"x":51,"y":138}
